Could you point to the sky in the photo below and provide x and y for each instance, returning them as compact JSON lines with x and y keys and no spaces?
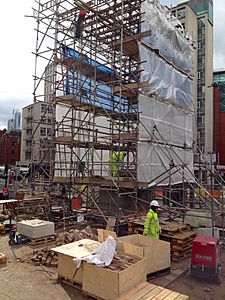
{"x":18,"y":38}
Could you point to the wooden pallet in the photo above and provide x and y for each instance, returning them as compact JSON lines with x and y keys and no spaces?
{"x":43,"y":240}
{"x":158,"y":273}
{"x":136,"y":226}
{"x":179,"y":247}
{"x":172,"y":228}
{"x":181,"y":242}
{"x":181,"y":238}
{"x":181,"y":257}
{"x":76,"y":286}
{"x":146,"y":291}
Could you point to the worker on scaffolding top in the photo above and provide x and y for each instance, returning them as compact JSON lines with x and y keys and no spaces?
{"x":116,"y":162}
{"x":151,"y":224}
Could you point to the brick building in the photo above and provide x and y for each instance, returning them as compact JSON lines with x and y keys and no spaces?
{"x":9,"y":147}
{"x":219,"y":117}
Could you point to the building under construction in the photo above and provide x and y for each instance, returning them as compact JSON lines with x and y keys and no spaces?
{"x":118,"y":79}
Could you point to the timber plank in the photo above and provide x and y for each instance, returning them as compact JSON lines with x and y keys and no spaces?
{"x":144,"y":291}
{"x":147,"y":291}
{"x":163,"y":294}
{"x":152,"y":293}
{"x":172,"y":296}
{"x":182,"y":297}
{"x":131,"y":293}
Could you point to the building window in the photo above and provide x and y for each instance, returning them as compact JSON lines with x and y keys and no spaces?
{"x":50,"y":110}
{"x":27,"y":155}
{"x":28,"y":143}
{"x":222,"y":96}
{"x":43,"y":108}
{"x":49,"y":130}
{"x":42,"y":131}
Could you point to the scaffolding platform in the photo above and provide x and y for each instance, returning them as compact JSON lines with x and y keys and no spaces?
{"x":129,"y":44}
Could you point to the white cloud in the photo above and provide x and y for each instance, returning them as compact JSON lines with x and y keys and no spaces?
{"x":17,"y":62}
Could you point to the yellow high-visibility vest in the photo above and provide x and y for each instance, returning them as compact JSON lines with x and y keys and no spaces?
{"x":151,"y":224}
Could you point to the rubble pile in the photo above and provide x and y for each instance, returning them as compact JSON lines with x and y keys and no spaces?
{"x":47,"y":257}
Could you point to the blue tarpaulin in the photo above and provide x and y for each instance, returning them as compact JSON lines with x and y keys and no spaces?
{"x":90,"y":91}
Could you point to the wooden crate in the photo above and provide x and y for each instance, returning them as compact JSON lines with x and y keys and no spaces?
{"x":66,"y":253}
{"x":155,"y":252}
{"x":67,"y":269}
{"x":107,"y":284}
{"x":147,"y":291}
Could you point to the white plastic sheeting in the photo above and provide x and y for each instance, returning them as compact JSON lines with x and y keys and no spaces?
{"x":67,"y":160}
{"x":174,"y":126}
{"x":164,"y":131}
{"x":166,"y":105}
{"x":165,"y":81}
{"x":169,"y":40}
{"x":102,"y":256}
{"x":154,"y":160}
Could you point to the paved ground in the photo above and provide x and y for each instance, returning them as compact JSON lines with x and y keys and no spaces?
{"x":23,"y":281}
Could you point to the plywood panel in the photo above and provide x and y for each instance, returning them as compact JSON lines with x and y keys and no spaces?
{"x":67,"y":269}
{"x":130,"y":249}
{"x":132,"y":276}
{"x":108,"y":284}
{"x":156,"y":252}
{"x":78,"y":249}
{"x":100,"y":282}
{"x":103,"y":234}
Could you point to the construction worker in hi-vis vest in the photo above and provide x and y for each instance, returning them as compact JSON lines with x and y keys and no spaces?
{"x":115,"y":162}
{"x":151,"y":224}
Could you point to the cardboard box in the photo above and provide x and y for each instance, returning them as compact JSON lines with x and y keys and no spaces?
{"x":35,"y":229}
{"x":155,"y":252}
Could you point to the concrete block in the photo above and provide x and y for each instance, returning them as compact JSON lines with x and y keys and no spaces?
{"x":198,"y":218}
{"x":35,"y":228}
{"x":207,"y":231}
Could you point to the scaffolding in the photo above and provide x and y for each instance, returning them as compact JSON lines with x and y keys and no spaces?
{"x":88,"y":63}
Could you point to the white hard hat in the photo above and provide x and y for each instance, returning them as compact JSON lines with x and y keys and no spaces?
{"x":154,"y":203}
